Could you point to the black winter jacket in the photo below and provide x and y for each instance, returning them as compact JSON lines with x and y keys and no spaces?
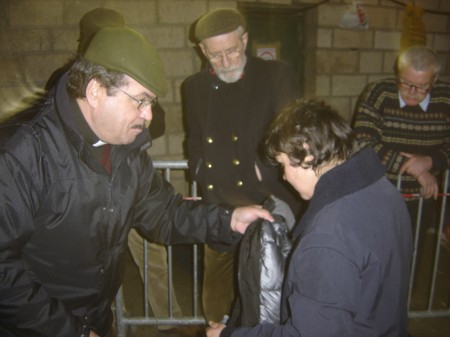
{"x":64,"y":221}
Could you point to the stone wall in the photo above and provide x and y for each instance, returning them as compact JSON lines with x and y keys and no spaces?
{"x":38,"y":36}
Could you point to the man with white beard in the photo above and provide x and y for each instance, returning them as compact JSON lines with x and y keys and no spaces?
{"x":228,"y":107}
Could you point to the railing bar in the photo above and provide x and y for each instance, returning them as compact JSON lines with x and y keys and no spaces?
{"x":438,"y":246}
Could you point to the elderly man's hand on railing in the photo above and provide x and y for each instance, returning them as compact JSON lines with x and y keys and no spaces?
{"x":429,"y":185}
{"x":416,"y":164}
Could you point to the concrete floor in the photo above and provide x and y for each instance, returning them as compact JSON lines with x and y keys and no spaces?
{"x":419,"y":327}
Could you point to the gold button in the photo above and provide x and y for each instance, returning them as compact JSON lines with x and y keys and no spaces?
{"x":209,"y":165}
{"x":209,"y":140}
{"x":210,"y":187}
{"x":235,"y":138}
{"x":236,"y":162}
{"x":239,"y":183}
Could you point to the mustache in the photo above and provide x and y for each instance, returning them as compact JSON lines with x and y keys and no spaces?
{"x":138,"y":126}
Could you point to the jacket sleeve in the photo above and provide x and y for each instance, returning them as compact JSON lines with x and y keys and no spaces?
{"x":26,"y":309}
{"x":164,"y":216}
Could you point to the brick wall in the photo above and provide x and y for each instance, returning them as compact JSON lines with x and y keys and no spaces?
{"x":38,"y":36}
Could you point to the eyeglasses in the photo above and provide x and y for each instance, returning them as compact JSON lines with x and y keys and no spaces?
{"x":230,"y":54}
{"x":142,"y":103}
{"x":422,"y":89}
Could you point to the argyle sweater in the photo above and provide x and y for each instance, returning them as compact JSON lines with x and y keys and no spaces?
{"x":380,"y":123}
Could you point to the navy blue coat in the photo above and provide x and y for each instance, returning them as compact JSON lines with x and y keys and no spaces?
{"x":348,"y":274}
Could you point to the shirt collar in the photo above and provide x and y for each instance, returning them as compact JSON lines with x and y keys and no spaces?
{"x":423,"y":104}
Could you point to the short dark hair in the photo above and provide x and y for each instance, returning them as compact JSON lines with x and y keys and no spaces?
{"x":82,"y":71}
{"x":329,"y":138}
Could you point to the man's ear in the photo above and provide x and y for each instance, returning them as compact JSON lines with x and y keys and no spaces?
{"x":245,"y":39}
{"x":202,"y":47}
{"x":93,"y":91}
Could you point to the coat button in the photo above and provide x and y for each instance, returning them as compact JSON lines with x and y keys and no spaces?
{"x":210,"y":187}
{"x":209,"y":140}
{"x":236,"y":162}
{"x":240,"y":183}
{"x":209,"y":165}
{"x":235,"y":138}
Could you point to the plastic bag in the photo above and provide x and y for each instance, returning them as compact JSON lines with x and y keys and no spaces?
{"x":354,"y":17}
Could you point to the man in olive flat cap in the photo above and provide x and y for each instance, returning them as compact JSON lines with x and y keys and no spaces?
{"x":228,"y":106}
{"x":75,"y":178}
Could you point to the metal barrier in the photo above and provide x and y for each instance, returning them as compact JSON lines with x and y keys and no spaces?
{"x":122,"y":320}
{"x":431,"y":301}
{"x":429,"y":288}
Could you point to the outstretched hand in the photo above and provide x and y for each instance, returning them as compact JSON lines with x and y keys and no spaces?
{"x":244,"y":216}
{"x":214,"y":329}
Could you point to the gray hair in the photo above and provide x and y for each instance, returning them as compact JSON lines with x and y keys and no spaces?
{"x":419,"y":58}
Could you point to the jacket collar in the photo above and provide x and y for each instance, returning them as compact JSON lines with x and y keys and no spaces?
{"x":360,"y":171}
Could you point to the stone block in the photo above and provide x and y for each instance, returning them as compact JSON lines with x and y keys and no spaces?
{"x":75,"y":10}
{"x":435,"y":23}
{"x":373,"y":78}
{"x":370,"y":62}
{"x":344,"y":38}
{"x":65,"y":40}
{"x":159,"y":147}
{"x":36,"y":13}
{"x":221,"y":4}
{"x":382,"y":18}
{"x":387,"y":40}
{"x":24,"y":40}
{"x":174,"y":118}
{"x":324,"y":38}
{"x":136,"y":12}
{"x":342,"y":106}
{"x":181,"y":11}
{"x":165,"y":36}
{"x":38,"y":68}
{"x":441,"y":42}
{"x":322,"y":86}
{"x":389,"y":61}
{"x":11,"y":70}
{"x":178,"y":84}
{"x":347,"y":85}
{"x":330,"y":14}
{"x":428,"y":4}
{"x":177,"y":62}
{"x":336,"y":61}
{"x":176,"y":141}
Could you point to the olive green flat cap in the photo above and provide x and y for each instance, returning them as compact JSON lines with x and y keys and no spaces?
{"x":125,"y":50}
{"x":217,"y":22}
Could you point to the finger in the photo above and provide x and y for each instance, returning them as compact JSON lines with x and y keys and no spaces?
{"x":407,"y":155}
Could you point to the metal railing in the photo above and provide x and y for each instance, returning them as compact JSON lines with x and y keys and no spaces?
{"x":433,"y":300}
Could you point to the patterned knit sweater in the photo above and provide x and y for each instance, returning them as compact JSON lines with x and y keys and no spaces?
{"x":379,"y":122}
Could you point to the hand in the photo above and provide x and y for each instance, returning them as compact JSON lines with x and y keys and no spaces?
{"x":244,"y":216}
{"x":429,"y":185}
{"x":215,"y":329}
{"x":416,"y":164}
{"x":93,"y":334}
